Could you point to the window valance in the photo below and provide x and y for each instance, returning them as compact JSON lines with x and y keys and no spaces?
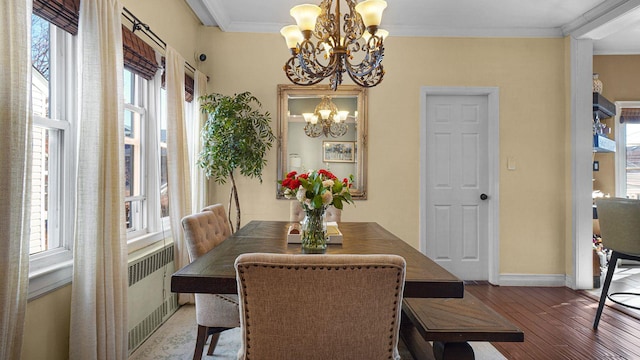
{"x":630,"y":116}
{"x":139,"y":56}
{"x":62,"y":13}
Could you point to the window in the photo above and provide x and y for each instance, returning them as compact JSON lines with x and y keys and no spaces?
{"x":53,"y":92}
{"x":145,"y":132}
{"x":632,"y":167}
{"x":134,"y":154}
{"x":164,"y":189}
{"x":627,"y":155}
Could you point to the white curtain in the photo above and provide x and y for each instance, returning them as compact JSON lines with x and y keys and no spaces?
{"x":99,"y":289}
{"x":179,"y":178}
{"x":15,"y":167}
{"x":196,"y":120}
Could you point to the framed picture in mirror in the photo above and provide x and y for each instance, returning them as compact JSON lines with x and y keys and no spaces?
{"x":338,"y":151}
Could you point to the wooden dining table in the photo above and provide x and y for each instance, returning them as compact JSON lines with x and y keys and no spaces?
{"x":214,"y":272}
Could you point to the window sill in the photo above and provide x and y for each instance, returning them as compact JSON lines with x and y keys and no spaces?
{"x":143,"y":241}
{"x":49,"y":272}
{"x":49,"y":278}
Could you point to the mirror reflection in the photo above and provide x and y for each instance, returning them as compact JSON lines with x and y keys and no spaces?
{"x":323,"y":129}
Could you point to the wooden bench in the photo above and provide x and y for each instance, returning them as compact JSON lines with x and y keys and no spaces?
{"x":451,"y":324}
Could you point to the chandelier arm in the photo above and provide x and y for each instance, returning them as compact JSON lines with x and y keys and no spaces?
{"x":296,"y":74}
{"x":353,"y":25}
{"x":371,"y":61}
{"x":370,"y":79}
{"x":313,"y":130}
{"x":338,"y":129}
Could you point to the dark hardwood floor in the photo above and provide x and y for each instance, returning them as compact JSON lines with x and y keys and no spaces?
{"x":557,"y":323}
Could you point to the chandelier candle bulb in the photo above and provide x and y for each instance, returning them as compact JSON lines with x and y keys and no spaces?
{"x":292,"y":36}
{"x":307,"y":117}
{"x":306,"y":16}
{"x":371,"y":12}
{"x":324,"y":113}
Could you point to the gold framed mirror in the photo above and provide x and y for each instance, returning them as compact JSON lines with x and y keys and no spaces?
{"x":319,"y":128}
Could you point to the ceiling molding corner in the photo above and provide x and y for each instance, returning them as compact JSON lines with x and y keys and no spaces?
{"x":596,"y":23}
{"x":202,"y":13}
{"x":217,"y":11}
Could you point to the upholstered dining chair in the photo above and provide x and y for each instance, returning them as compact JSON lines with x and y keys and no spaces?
{"x":620,"y":230}
{"x":319,"y":306}
{"x":296,"y":213}
{"x":214,"y":313}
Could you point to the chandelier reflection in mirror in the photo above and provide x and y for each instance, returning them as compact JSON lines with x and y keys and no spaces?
{"x":326,"y":120}
{"x":358,"y":51}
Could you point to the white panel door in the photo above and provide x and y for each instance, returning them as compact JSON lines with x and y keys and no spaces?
{"x":457,"y":184}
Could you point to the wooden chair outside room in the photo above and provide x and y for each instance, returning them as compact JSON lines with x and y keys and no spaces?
{"x":214,"y":313}
{"x":319,"y":306}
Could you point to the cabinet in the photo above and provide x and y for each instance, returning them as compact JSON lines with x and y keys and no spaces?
{"x":602,"y":109}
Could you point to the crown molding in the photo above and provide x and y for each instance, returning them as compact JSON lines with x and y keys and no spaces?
{"x":602,"y":20}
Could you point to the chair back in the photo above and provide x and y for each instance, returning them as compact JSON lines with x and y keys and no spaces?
{"x":296,"y":213}
{"x":319,"y":306}
{"x":205,"y":230}
{"x":620,"y":224}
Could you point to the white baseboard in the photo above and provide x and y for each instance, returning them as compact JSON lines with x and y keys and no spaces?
{"x":532,"y":280}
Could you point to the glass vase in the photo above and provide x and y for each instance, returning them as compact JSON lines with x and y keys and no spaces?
{"x":314,"y":231}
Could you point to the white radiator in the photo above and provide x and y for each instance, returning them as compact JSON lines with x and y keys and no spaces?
{"x":151,"y":301}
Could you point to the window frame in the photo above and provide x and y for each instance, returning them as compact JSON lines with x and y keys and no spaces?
{"x":147,"y":95}
{"x":52,"y":268}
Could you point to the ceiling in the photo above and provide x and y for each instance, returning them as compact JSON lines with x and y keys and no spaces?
{"x":614,"y":25}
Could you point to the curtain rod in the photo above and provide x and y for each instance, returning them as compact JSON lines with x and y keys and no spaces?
{"x":145,"y":29}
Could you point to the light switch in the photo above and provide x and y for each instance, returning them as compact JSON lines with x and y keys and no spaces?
{"x":511,"y":163}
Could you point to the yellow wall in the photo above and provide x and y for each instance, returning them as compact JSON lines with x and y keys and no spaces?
{"x":620,"y":78}
{"x":46,"y":331}
{"x":531,"y":76}
{"x":173,"y":21}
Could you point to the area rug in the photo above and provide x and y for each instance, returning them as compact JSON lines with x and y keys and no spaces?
{"x":176,"y":340}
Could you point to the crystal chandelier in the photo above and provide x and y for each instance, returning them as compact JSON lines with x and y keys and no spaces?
{"x":326,"y":119}
{"x":332,"y":53}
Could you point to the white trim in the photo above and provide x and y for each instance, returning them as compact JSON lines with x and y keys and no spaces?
{"x":584,"y":26}
{"x":493,"y":96}
{"x":621,"y":148}
{"x":227,"y":25}
{"x":50,"y":278}
{"x":507,"y":32}
{"x":219,"y":14}
{"x":202,"y":12}
{"x":149,"y":239}
{"x":556,"y":280}
{"x":581,"y":162}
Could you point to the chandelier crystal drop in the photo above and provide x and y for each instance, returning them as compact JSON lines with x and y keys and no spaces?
{"x":322,"y":47}
{"x":326,"y":120}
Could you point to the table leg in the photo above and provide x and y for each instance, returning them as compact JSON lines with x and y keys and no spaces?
{"x":415,"y":343}
{"x":453,"y":350}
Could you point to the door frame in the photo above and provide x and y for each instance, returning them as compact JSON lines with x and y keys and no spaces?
{"x":493,"y":118}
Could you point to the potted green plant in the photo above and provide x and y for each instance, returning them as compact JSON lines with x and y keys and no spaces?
{"x":236,"y":135}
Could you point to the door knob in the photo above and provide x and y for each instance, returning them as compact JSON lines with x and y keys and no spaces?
{"x":483,"y":197}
